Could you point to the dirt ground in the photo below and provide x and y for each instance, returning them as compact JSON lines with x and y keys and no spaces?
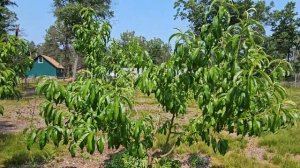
{"x":20,"y":115}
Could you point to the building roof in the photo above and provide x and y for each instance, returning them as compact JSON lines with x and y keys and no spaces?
{"x":52,"y":61}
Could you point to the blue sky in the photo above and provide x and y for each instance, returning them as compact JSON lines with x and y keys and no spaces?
{"x":149,"y":18}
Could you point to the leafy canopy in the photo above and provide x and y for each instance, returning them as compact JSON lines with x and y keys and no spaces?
{"x":195,"y":11}
{"x":156,"y":48}
{"x":224,"y":68}
{"x":285,"y":26}
{"x":98,"y":105}
{"x":68,"y":12}
{"x":7,"y":17}
{"x":14,"y":62}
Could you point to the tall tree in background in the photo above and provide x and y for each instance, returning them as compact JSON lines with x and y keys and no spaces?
{"x":7,"y":17}
{"x":67,"y":14}
{"x":53,"y":42}
{"x":54,"y":47}
{"x":34,"y":49}
{"x":285,"y":27}
{"x":158,"y":51}
{"x":195,"y":10}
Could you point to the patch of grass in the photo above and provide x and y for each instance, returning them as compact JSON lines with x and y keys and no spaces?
{"x":199,"y":147}
{"x":284,"y":141}
{"x":284,"y":162}
{"x":11,"y":105}
{"x":13,"y":152}
{"x":236,"y":143}
{"x":265,"y":156}
{"x":237,"y":160}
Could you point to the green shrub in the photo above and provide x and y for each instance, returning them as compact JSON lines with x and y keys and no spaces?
{"x":124,"y":160}
{"x":197,"y":161}
{"x":169,"y":163}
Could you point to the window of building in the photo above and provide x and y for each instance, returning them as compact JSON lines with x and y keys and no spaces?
{"x":40,"y":60}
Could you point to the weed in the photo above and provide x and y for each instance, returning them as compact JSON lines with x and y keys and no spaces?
{"x":124,"y":160}
{"x":168,"y":163}
{"x":197,"y":161}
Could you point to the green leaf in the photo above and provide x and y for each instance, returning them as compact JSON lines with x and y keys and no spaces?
{"x":42,"y":139}
{"x":223,"y":146}
{"x":91,"y":143}
{"x":1,"y":110}
{"x":141,"y":151}
{"x":100,"y":145}
{"x":31,"y":140}
{"x":66,"y":137}
{"x":116,"y":108}
{"x":72,"y":149}
{"x":265,"y":76}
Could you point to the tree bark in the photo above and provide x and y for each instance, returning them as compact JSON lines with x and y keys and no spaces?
{"x":75,"y":65}
{"x":170,"y":129}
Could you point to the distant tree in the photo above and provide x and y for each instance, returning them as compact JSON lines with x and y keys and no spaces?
{"x":158,"y":51}
{"x":53,"y":42}
{"x":7,"y":17}
{"x":34,"y":49}
{"x":67,"y":14}
{"x":285,"y":27}
{"x":195,"y":11}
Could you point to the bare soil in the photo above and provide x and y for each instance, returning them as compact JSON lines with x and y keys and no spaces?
{"x":19,"y":115}
{"x":254,"y":151}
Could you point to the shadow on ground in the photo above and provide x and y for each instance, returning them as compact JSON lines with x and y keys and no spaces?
{"x":13,"y":152}
{"x":6,"y":126}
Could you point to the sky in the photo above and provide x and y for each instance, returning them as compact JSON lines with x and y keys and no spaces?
{"x":149,"y":18}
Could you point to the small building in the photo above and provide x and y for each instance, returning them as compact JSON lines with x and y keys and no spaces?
{"x":46,"y":66}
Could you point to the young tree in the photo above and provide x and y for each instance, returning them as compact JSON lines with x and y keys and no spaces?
{"x":98,"y":105}
{"x":14,"y":54}
{"x":14,"y":62}
{"x":224,"y":69}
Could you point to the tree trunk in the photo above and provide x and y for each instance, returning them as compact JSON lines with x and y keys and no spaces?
{"x":75,"y":65}
{"x":170,"y":129}
{"x":295,"y":79}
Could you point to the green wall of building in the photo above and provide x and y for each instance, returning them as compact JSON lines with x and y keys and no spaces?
{"x":40,"y":69}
